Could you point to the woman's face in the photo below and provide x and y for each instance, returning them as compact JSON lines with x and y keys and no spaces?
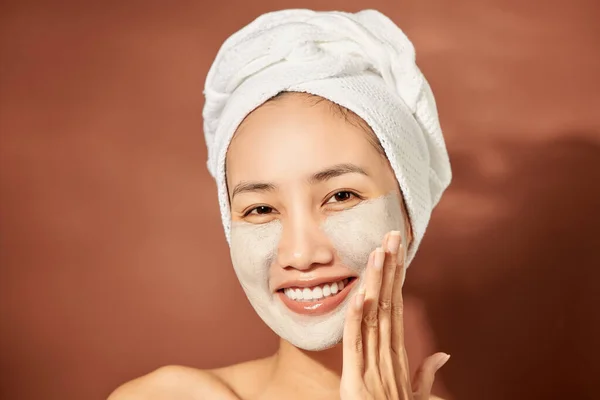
{"x":311,"y":197}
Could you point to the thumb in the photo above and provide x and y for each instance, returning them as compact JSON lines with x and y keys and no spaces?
{"x":423,"y":381}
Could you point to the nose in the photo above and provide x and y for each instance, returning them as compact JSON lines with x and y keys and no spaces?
{"x":303,"y":244}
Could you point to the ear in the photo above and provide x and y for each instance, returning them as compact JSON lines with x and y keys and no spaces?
{"x":409,"y":230}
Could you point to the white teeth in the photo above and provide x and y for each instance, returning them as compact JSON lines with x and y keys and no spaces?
{"x":334,"y":288}
{"x":306,"y":294}
{"x":291,"y":293}
{"x":317,"y":292}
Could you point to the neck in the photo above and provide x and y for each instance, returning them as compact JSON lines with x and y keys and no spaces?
{"x":318,"y":371}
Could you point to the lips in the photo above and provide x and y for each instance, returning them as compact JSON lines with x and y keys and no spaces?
{"x":302,"y":302}
{"x":304,"y":283}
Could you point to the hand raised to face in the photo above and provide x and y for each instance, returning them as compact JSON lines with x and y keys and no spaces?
{"x":375,"y":363}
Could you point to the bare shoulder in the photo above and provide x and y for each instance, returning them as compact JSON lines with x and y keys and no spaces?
{"x":246,"y":379}
{"x":234,"y":382}
{"x":175,"y":381}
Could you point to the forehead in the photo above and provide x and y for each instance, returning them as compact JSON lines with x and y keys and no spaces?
{"x":296,"y":135}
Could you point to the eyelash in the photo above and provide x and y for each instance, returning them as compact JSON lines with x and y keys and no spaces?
{"x":353,"y":194}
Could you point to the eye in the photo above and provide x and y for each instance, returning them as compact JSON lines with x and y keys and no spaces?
{"x":260,"y":210}
{"x":342,"y":196}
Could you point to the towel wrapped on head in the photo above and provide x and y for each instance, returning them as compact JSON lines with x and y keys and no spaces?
{"x":360,"y":61}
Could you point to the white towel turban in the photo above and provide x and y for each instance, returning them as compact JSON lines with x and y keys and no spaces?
{"x":361,"y":61}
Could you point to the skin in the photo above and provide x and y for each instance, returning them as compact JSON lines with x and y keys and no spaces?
{"x":283,"y":142}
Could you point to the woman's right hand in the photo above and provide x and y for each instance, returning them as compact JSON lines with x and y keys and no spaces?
{"x":375,"y":365}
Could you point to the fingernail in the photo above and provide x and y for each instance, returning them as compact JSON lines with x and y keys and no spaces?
{"x":371,"y":257}
{"x":385,"y":239}
{"x":379,"y":257}
{"x":442,"y":360}
{"x":393,"y":242}
{"x":359,"y":299}
{"x":358,"y":302}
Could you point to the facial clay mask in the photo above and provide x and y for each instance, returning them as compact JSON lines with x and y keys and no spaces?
{"x":354,"y":233}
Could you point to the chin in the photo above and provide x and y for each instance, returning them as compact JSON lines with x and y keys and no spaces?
{"x":323,"y":346}
{"x":320,"y":344}
{"x":306,"y":332}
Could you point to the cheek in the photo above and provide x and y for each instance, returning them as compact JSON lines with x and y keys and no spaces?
{"x":356,"y":232}
{"x":253,"y":249}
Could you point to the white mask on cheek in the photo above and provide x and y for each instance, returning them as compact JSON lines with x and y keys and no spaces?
{"x":354,"y":233}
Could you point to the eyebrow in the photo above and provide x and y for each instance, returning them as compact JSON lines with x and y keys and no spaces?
{"x":318,"y":177}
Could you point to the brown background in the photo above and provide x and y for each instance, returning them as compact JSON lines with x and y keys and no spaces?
{"x":113,"y":261}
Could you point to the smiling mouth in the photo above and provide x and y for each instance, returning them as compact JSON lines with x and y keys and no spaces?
{"x":316,"y":293}
{"x":316,"y":300}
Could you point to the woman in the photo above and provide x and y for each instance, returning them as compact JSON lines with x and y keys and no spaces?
{"x":324,"y":141}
